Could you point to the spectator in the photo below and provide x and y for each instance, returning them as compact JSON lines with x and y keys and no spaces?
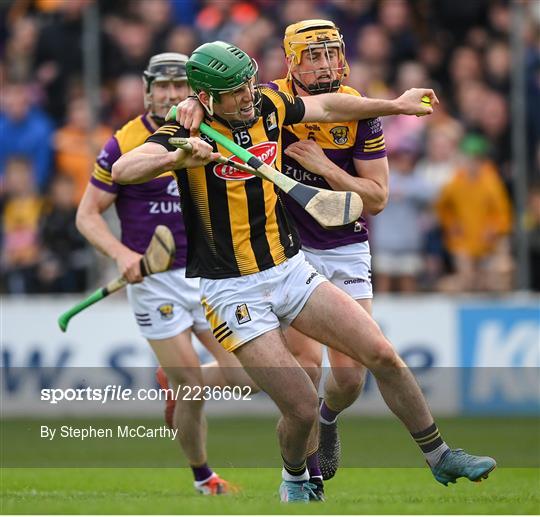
{"x":20,"y":49}
{"x":130,"y":46}
{"x":20,"y":216}
{"x":397,"y":236}
{"x":396,"y":20}
{"x":25,"y":131}
{"x":182,"y":40}
{"x":128,"y":101}
{"x":77,"y":144}
{"x":465,"y":66}
{"x":474,"y":211}
{"x":156,"y":14}
{"x":402,"y":127}
{"x":494,"y":124}
{"x":59,"y":51}
{"x":498,"y":67}
{"x":436,"y":169}
{"x":532,"y":225}
{"x":64,"y":256}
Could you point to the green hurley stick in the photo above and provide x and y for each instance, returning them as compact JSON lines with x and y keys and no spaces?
{"x":95,"y":297}
{"x":331,"y":209}
{"x":157,"y":258}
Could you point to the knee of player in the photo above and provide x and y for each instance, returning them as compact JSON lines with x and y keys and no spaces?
{"x":350,"y":380}
{"x":305,"y":410}
{"x":186,"y":377}
{"x":383,"y":355}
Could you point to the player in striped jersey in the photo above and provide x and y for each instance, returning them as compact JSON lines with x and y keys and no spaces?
{"x":167,"y":305}
{"x":340,"y":156}
{"x":255,"y":278}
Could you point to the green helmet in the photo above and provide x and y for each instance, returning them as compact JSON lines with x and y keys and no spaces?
{"x":219,"y":67}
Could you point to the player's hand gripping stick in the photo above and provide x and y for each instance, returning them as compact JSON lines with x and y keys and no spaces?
{"x":157,"y":258}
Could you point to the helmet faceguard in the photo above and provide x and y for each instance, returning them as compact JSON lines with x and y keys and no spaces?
{"x":308,"y":36}
{"x":218,"y":68}
{"x":165,"y":67}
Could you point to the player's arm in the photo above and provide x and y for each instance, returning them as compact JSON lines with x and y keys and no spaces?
{"x":340,"y":107}
{"x":372,"y":181}
{"x":91,"y":224}
{"x":152,"y":159}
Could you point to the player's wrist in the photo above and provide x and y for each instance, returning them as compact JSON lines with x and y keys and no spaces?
{"x":397,"y":107}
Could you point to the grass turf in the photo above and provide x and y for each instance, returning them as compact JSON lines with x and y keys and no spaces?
{"x":353,"y":491}
{"x":392,"y":478}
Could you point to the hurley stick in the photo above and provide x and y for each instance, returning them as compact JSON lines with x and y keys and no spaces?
{"x":157,"y":258}
{"x":330,"y":208}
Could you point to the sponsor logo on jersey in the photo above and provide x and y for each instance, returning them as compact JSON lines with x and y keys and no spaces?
{"x":354,"y":281}
{"x":312,"y":127}
{"x":242,"y":314}
{"x":172,"y":189}
{"x":164,"y":207}
{"x":301,"y":175}
{"x":103,"y":159}
{"x":375,"y":125}
{"x":265,"y":151}
{"x":271,"y":121}
{"x":166,"y":310}
{"x":311,"y":277}
{"x":340,"y":134}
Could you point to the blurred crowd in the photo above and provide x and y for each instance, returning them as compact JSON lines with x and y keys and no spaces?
{"x":450,"y":222}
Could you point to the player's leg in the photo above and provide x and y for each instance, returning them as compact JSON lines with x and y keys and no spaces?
{"x":226,"y":370}
{"x":274,"y":369}
{"x":333,"y":317}
{"x":165,"y":321}
{"x":308,"y":353}
{"x":348,"y":267}
{"x":244,"y":314}
{"x":181,"y":364}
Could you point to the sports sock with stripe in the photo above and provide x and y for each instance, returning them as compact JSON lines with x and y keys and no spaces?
{"x":431,"y":443}
{"x":294,"y":472}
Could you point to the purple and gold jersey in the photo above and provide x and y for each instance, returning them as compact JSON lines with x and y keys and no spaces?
{"x":144,"y":206}
{"x":342,"y":142}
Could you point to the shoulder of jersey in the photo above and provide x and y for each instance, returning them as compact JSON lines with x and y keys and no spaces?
{"x":132,"y":134}
{"x":168,"y":129}
{"x":283,"y":85}
{"x":135,"y":124}
{"x":272,"y":94}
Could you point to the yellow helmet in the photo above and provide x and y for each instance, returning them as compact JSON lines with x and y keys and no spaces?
{"x":311,"y":34}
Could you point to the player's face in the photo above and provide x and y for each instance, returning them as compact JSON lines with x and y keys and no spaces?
{"x":319,"y":65}
{"x":238,"y":104}
{"x":168,"y":93}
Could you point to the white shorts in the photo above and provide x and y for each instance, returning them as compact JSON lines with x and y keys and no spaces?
{"x":347,"y":267}
{"x":395,"y":264}
{"x":242,"y":308}
{"x":166,"y":304}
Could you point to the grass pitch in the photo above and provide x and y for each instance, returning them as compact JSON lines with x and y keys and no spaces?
{"x":353,"y":491}
{"x":382,"y":474}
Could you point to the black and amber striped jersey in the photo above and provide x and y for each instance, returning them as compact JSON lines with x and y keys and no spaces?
{"x":236,"y":223}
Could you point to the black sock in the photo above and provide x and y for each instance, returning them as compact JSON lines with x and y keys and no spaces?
{"x":295,"y":470}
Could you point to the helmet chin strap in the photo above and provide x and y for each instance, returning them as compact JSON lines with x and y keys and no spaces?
{"x":318,"y":87}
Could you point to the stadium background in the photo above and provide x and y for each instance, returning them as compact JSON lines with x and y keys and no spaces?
{"x":71,"y":74}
